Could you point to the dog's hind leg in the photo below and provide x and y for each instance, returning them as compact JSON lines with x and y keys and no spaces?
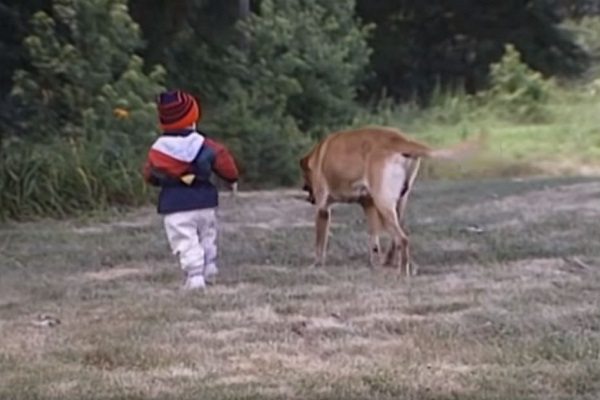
{"x":390,"y":255}
{"x":389,"y":176}
{"x":401,"y":207}
{"x":375,"y":226}
{"x":406,"y":190}
{"x":400,"y":242}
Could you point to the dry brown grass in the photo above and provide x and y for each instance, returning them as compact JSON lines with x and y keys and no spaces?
{"x":509,"y":313}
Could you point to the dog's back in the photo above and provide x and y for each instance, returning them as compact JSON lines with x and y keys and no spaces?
{"x":343,"y":158}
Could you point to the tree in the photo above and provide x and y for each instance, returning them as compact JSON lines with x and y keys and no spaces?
{"x":83,"y":66}
{"x":14,"y":17}
{"x":296,"y":80}
{"x":90,"y":113}
{"x":418,"y":44}
{"x":190,"y":38}
{"x":575,"y":9}
{"x":313,"y":52}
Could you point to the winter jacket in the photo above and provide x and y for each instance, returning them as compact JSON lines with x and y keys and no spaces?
{"x":175,"y":154}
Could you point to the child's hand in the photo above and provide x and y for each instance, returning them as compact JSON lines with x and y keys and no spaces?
{"x":188,"y":179}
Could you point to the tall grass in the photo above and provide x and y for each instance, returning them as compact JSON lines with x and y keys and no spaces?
{"x":65,"y":177}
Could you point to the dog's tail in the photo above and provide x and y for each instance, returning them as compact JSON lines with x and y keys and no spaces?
{"x":457,"y":152}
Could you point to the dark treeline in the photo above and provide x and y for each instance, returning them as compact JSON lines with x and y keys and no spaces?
{"x":272,"y":75}
{"x":416,"y":44}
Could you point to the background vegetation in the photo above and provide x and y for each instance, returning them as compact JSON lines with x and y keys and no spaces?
{"x":505,"y":304}
{"x":79,"y":78}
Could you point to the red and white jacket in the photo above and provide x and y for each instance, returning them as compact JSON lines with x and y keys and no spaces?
{"x":175,"y":154}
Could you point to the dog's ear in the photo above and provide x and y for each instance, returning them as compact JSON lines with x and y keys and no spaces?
{"x":304,"y":163}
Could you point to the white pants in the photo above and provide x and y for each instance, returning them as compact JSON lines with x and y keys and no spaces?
{"x":193,"y":239}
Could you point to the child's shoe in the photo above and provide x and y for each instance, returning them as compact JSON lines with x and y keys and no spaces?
{"x":210,"y":272}
{"x":194,"y":282}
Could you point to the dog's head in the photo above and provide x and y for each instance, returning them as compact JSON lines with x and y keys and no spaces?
{"x":306,"y":178}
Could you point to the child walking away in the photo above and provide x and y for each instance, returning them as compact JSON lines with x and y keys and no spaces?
{"x":180,"y":162}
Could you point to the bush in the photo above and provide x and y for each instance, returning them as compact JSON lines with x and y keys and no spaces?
{"x":517,"y":91}
{"x":90,"y":113}
{"x":294,"y":81}
{"x":82,"y":62}
{"x":587,"y":33}
{"x":90,"y":116}
{"x":266,"y":142}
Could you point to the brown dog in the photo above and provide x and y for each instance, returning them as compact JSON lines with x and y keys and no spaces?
{"x":376,"y":168}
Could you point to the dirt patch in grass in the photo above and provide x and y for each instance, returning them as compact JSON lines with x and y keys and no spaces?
{"x":509,"y":311}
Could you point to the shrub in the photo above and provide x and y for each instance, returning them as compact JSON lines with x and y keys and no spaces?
{"x":517,"y":91}
{"x":294,"y":81}
{"x":82,"y":62}
{"x":63,"y":177}
{"x":90,"y":114}
{"x":266,"y":142}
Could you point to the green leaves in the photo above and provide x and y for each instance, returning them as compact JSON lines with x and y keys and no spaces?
{"x":78,"y":153}
{"x":313,"y":52}
{"x":294,"y":81}
{"x":82,"y":52}
{"x":519,"y":91}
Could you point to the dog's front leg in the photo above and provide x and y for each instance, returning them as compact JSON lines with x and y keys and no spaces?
{"x":322,"y":234}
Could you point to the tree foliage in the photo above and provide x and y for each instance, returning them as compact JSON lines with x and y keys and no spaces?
{"x":190,"y":39}
{"x":311,"y":54}
{"x":79,"y":78}
{"x":82,"y":66}
{"x":90,"y":113}
{"x":419,"y":44}
{"x":518,"y":91}
{"x":297,"y":78}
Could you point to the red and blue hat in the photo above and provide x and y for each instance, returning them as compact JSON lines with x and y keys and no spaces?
{"x":177,"y":110}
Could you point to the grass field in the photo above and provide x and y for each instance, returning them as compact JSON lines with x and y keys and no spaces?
{"x":567,"y":144}
{"x":510,"y":310}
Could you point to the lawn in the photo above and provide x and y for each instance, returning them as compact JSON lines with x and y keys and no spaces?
{"x":566,"y":144}
{"x":505,"y":305}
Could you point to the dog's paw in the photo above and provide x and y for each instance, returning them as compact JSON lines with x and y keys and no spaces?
{"x":375,"y":262}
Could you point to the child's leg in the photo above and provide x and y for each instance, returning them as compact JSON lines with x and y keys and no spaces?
{"x":208,"y":239}
{"x":182,"y":232}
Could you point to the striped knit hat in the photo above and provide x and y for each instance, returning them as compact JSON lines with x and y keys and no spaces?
{"x":177,"y":110}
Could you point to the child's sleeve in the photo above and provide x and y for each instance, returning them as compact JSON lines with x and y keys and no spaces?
{"x":156,"y":178}
{"x":224,"y":164}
